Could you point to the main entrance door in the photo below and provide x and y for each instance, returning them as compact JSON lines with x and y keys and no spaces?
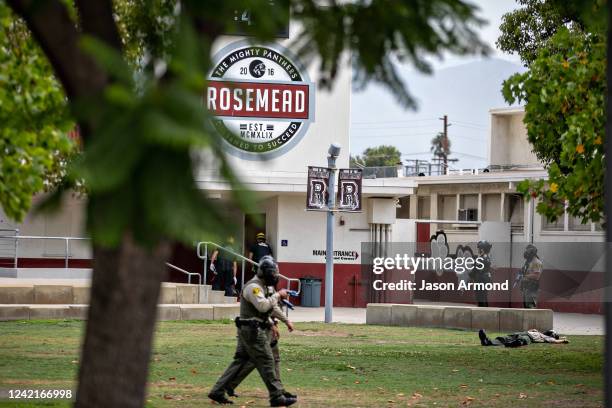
{"x":253,"y":224}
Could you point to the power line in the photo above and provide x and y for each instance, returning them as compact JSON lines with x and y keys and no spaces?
{"x":396,"y":135}
{"x":392,"y":127}
{"x":394,"y":121}
{"x":471,"y":123}
{"x":470,"y":155}
{"x":471,"y":128}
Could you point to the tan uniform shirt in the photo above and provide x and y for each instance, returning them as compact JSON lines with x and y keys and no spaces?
{"x":255,"y":293}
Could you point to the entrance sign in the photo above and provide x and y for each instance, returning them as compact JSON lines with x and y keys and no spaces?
{"x":317,"y":188}
{"x":261,"y":98}
{"x":349,"y":190}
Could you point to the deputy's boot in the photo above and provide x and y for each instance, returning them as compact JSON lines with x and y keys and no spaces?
{"x":219,"y":398}
{"x":282,"y":401}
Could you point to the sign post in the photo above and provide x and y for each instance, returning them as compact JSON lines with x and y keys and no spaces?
{"x":334,"y":152}
{"x":321,"y":196}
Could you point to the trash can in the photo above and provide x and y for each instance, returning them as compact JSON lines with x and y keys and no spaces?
{"x":311,"y":292}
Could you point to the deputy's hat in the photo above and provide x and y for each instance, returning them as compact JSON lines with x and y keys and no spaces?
{"x":260,"y":235}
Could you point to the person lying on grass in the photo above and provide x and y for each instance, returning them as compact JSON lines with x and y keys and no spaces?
{"x":519,"y":339}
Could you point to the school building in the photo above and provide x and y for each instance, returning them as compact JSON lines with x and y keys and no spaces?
{"x":275,"y":122}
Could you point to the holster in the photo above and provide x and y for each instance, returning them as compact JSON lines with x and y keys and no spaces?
{"x":253,"y":324}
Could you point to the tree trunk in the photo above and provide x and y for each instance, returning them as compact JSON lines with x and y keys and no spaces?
{"x":116,"y":351}
{"x":607,"y":300}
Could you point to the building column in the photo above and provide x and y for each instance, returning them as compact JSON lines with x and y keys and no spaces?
{"x":457,"y":203}
{"x":433,"y":210}
{"x":414,"y":206}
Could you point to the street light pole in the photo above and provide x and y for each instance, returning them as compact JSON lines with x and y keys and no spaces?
{"x":334,"y":152}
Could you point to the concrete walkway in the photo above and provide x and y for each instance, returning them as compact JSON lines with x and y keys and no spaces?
{"x":564,"y":323}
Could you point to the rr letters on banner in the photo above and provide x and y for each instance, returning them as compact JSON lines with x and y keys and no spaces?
{"x":349,"y":190}
{"x":317,"y":189}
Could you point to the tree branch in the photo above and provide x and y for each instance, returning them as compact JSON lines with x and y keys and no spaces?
{"x":58,"y":37}
{"x":96,"y":18}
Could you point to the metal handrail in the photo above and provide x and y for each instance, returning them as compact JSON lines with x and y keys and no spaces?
{"x":189,"y":274}
{"x":65,"y":239}
{"x":242,"y":258}
{"x":15,"y":232}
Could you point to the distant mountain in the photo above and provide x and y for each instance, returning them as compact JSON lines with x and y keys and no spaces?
{"x":464,"y":92}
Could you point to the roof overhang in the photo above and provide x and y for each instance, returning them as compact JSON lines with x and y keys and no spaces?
{"x":296,"y":183}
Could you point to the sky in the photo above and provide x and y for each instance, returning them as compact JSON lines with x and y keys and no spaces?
{"x":464,"y":88}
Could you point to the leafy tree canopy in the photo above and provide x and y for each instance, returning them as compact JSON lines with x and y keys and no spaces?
{"x":527,"y":29}
{"x":384,"y":155}
{"x":564,"y":95}
{"x":34,"y":119}
{"x":440,"y":146}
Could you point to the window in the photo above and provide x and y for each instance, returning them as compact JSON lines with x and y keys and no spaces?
{"x":514,"y":211}
{"x":423,"y":208}
{"x":558,"y":225}
{"x":575,"y":224}
{"x":491,"y":207}
{"x":403,"y":209}
{"x":447,"y":207}
{"x":468,"y":207}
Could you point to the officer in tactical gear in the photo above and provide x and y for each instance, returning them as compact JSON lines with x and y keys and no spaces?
{"x":483,"y":275}
{"x":530,"y":277}
{"x":257,"y":304}
{"x":259,"y":249}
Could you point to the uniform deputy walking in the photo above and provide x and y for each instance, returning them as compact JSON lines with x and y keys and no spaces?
{"x":255,"y":336}
{"x":233,"y":383}
{"x":530,"y":280}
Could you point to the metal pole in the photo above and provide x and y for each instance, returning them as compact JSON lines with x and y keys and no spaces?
{"x":334,"y":151}
{"x":242,"y":276}
{"x":16,"y":251}
{"x":205,"y":260}
{"x":67,"y":249}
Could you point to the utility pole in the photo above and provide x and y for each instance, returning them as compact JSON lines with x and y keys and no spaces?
{"x":445,"y":143}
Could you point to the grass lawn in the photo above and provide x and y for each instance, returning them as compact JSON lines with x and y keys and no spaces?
{"x":335,"y":365}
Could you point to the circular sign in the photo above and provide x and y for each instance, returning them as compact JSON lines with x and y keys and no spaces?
{"x":261,"y":99}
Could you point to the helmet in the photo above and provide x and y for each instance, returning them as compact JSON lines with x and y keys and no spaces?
{"x":530,"y":251}
{"x":484,"y":245}
{"x":268,"y":271}
{"x":551,"y":333}
{"x":260,"y":235}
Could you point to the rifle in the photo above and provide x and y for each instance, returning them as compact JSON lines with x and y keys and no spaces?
{"x":288,"y":303}
{"x":519,"y":277}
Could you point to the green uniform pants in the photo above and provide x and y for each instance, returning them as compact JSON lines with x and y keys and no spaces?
{"x":530,"y":298}
{"x":253,"y":350}
{"x":249,"y":366}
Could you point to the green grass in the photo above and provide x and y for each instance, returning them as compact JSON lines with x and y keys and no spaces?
{"x":328,"y":365}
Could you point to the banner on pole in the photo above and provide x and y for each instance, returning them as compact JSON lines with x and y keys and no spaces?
{"x":349,"y":190}
{"x":317,"y":188}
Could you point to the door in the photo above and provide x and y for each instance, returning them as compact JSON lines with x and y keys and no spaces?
{"x":253,"y":224}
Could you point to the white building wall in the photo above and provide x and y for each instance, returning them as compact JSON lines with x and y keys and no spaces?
{"x":305,"y":231}
{"x":508,"y":144}
{"x":69,"y":221}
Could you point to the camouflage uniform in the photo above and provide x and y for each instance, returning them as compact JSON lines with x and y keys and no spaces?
{"x":483,"y":276}
{"x":254,"y":350}
{"x":530,"y":284}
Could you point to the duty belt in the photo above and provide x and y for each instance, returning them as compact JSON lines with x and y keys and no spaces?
{"x":252,"y":323}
